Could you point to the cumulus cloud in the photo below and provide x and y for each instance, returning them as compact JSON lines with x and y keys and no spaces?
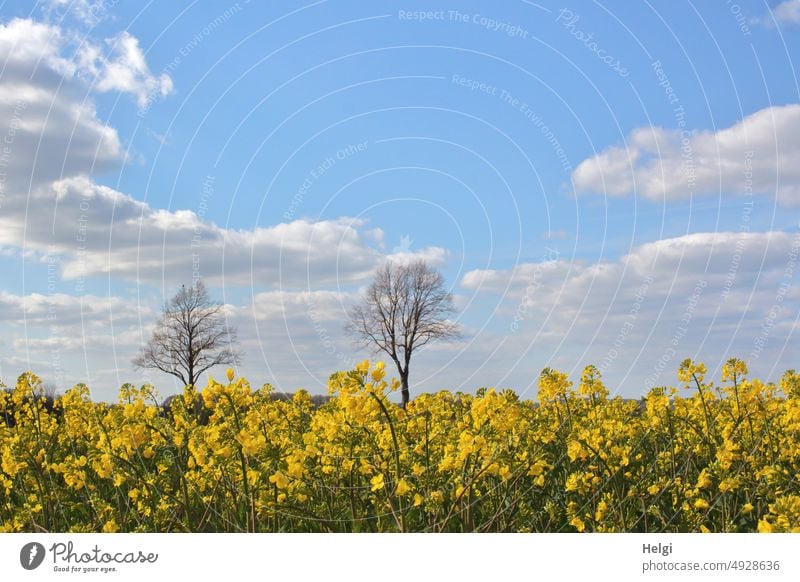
{"x":49,"y":127}
{"x":46,"y":64}
{"x":727,"y":261}
{"x":754,"y":156}
{"x":48,"y":122}
{"x":123,"y":67}
{"x":97,"y":231}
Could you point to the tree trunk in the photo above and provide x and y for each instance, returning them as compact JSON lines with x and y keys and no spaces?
{"x":404,"y":388}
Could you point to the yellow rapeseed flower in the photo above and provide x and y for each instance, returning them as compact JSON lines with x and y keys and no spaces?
{"x":577,"y":523}
{"x":279,"y":479}
{"x":377,"y":482}
{"x":402,"y":488}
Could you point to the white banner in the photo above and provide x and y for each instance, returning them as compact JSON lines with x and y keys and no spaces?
{"x":390,"y":557}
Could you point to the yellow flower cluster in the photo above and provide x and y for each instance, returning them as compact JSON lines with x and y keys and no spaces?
{"x":229,"y":458}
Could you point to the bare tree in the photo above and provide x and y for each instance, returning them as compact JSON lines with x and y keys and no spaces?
{"x":190,"y":338}
{"x":405,"y":308}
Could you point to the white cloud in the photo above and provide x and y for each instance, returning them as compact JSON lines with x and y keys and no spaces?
{"x":62,"y":66}
{"x":788,"y":11}
{"x":97,"y":231}
{"x":434,"y":256}
{"x":124,"y":68}
{"x":757,"y":155}
{"x":295,"y":339}
{"x":72,"y":344}
{"x":60,"y":309}
{"x":727,"y":261}
{"x":48,"y":122}
{"x":49,"y":128}
{"x":276,"y":306}
{"x":26,"y":45}
{"x":700,"y":253}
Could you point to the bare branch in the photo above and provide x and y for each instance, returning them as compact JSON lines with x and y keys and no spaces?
{"x":191,"y":337}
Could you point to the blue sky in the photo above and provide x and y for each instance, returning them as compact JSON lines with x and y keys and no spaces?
{"x":611,"y":183}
